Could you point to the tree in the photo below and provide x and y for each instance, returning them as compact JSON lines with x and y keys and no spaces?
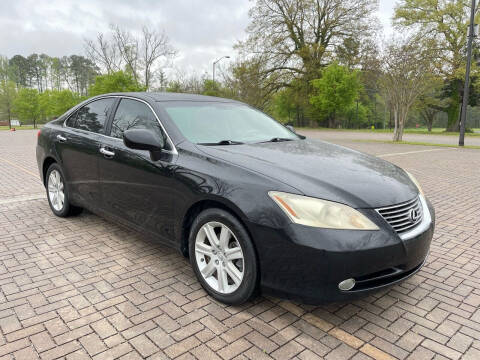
{"x":299,"y":36}
{"x":56,"y":71}
{"x":211,"y":89}
{"x":128,"y":48}
{"x":20,"y":70}
{"x":35,"y":72}
{"x":293,"y":40}
{"x":356,"y":115}
{"x":348,"y":52}
{"x":63,"y":100}
{"x":141,"y":56}
{"x":247,"y":81}
{"x":5,"y":69}
{"x":335,"y":91}
{"x":80,"y":73}
{"x":406,"y":74}
{"x":430,"y":103}
{"x":45,"y":105}
{"x":103,"y":53}
{"x":8,"y":94}
{"x":154,"y":46}
{"x":26,"y":105}
{"x":53,"y":103}
{"x":187,"y":83}
{"x":444,"y":23}
{"x":284,"y":105}
{"x":116,"y":82}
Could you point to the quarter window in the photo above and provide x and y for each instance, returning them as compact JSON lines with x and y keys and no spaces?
{"x":92,"y":117}
{"x":133,"y":114}
{"x":71,"y":120}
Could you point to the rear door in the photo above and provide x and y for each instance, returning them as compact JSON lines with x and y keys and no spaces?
{"x":77,"y":145}
{"x":136,"y":189}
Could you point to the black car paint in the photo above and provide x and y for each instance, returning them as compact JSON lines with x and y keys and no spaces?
{"x":299,"y":262}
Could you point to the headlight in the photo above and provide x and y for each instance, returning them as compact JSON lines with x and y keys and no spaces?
{"x":321,"y":213}
{"x":417,"y":184}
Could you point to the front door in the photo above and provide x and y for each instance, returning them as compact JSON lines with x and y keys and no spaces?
{"x":137,"y":189}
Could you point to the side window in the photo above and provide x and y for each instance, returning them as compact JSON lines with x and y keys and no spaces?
{"x":71,"y":120}
{"x":132,"y":114}
{"x":92,"y":117}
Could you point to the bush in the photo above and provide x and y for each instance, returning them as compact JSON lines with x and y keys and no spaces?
{"x":119,"y":81}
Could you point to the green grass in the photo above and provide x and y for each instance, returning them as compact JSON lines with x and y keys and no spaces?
{"x":23,"y":127}
{"x":420,"y":143}
{"x":423,"y":131}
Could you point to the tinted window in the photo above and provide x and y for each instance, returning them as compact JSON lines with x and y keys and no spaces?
{"x":211,"y":122}
{"x":71,"y":120}
{"x":92,"y":117}
{"x":132,"y":114}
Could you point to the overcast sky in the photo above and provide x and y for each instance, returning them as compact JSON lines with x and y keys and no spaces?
{"x":200,"y":30}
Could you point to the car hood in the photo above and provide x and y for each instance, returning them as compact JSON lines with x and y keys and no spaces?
{"x":323,"y":170}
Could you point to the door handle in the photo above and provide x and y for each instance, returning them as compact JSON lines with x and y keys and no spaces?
{"x":106,"y":152}
{"x":61,"y":138}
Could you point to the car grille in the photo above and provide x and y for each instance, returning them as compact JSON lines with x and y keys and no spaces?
{"x":404,"y":216}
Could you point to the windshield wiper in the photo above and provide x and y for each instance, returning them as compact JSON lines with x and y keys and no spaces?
{"x":223,"y":142}
{"x":278,"y":139}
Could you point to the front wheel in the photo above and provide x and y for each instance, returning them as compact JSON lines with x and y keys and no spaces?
{"x":223,"y":257}
{"x":57,"y":193}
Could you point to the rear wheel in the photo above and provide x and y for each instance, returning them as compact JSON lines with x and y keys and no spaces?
{"x":57,"y":193}
{"x":223,"y":257}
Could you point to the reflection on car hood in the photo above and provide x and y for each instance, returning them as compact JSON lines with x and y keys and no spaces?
{"x":324,"y":170}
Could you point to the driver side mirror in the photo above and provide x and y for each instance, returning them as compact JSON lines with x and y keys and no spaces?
{"x":291,"y":128}
{"x":142,"y":139}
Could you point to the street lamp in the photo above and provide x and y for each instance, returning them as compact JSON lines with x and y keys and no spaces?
{"x":214,"y":63}
{"x":471,"y":35}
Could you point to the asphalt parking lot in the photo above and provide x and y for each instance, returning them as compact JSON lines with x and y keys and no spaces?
{"x":83,"y":287}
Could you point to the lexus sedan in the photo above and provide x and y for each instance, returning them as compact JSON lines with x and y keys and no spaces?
{"x":253,"y":205}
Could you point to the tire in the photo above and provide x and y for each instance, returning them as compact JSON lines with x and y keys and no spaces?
{"x":65,"y":209}
{"x":231,"y":289}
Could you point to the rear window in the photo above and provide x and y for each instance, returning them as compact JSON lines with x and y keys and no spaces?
{"x":93,"y":116}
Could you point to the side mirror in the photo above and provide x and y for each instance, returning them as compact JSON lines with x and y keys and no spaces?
{"x":142,"y":139}
{"x":291,"y":128}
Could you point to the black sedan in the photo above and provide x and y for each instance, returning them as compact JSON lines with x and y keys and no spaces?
{"x":251,"y":203}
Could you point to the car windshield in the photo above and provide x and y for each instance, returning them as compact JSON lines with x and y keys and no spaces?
{"x":219,"y":123}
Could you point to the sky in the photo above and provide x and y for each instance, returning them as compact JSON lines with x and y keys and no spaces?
{"x":201,"y":30}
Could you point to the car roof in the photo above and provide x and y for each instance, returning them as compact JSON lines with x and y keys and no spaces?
{"x":168,"y":96}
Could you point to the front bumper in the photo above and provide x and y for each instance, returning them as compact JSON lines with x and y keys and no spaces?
{"x":306,"y":264}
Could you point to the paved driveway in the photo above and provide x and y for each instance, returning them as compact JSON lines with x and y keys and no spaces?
{"x":84,"y":287}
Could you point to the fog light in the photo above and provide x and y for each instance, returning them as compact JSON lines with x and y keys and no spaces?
{"x":346,"y":285}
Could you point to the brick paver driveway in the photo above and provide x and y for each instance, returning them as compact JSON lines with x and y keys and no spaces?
{"x":84,"y":287}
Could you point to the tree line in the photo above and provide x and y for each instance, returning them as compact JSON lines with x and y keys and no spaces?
{"x":309,"y":63}
{"x":39,"y":87}
{"x":325,"y":63}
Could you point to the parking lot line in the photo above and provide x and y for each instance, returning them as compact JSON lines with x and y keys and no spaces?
{"x":20,"y":167}
{"x":414,"y":152}
{"x":22,"y":198}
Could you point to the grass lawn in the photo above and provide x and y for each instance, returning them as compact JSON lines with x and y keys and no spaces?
{"x":420,"y":143}
{"x":423,"y":131}
{"x":23,"y":127}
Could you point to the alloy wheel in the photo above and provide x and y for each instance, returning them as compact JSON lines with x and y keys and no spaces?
{"x":219,"y":257}
{"x":56,"y":190}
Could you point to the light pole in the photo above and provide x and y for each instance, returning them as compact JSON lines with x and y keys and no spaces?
{"x":215,"y":63}
{"x":471,"y":34}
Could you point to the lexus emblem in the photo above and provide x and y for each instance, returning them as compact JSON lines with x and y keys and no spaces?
{"x":413,"y":215}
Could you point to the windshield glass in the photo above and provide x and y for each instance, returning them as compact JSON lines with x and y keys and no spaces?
{"x":214,"y":122}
